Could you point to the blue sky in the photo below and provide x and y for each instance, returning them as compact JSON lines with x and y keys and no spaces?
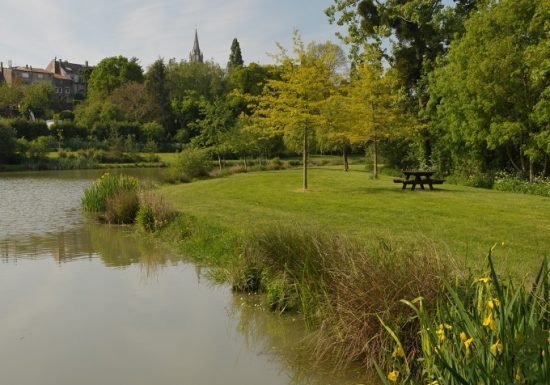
{"x":35,"y":31}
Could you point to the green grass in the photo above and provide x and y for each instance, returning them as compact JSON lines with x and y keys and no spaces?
{"x":463,"y":222}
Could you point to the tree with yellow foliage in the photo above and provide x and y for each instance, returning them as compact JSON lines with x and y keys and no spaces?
{"x":373,"y":105}
{"x":293,"y":105}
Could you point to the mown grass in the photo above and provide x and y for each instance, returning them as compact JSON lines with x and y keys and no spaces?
{"x":461,"y":221}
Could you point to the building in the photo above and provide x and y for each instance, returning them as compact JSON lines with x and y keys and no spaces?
{"x":67,"y":79}
{"x":77,"y":73}
{"x":196,"y":55}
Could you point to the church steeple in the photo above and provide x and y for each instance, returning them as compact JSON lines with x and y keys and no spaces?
{"x":196,"y":54}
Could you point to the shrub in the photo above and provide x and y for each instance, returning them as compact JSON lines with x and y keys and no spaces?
{"x":7,"y":141}
{"x":106,"y":198}
{"x":510,"y":183}
{"x":192,"y":163}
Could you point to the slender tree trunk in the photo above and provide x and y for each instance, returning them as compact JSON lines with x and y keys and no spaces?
{"x":531,"y":171}
{"x":345,"y":155}
{"x":512,"y":159}
{"x":245,"y":165}
{"x":305,"y":150}
{"x":219,"y":161}
{"x":545,"y":166}
{"x":375,"y":160}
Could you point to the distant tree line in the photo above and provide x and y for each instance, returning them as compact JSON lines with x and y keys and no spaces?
{"x":462,"y":89}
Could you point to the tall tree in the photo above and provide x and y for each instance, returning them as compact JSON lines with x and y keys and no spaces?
{"x":235,"y":57}
{"x":373,"y":106}
{"x":111,"y":73}
{"x":491,"y":92}
{"x":293,"y":104}
{"x":156,"y":87}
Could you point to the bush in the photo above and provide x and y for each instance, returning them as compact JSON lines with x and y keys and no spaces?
{"x":192,"y":163}
{"x":106,"y":198}
{"x":8,"y":144}
{"x":510,"y":183}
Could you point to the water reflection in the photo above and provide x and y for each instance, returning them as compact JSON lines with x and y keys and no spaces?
{"x":115,"y":307}
{"x":283,"y":339}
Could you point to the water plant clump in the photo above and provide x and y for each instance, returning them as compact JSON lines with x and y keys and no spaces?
{"x":484,"y":331}
{"x":112,"y":198}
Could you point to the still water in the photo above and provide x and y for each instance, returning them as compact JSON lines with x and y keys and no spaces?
{"x":83,"y":303}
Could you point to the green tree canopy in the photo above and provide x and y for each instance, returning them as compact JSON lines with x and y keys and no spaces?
{"x":491,"y":91}
{"x":292,"y":106}
{"x":111,"y":73}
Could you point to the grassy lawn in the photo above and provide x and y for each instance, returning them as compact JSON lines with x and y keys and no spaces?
{"x":463,"y":222}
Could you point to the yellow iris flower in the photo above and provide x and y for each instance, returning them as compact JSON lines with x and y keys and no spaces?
{"x":490,"y":322}
{"x":393,"y":375}
{"x":497,"y":348}
{"x":398,"y":352}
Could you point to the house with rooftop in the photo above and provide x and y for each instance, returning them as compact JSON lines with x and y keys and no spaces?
{"x":77,"y":73}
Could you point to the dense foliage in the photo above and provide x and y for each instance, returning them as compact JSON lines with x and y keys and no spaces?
{"x":462,"y":88}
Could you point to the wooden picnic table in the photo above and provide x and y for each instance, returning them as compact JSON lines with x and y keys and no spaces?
{"x":418,"y":177}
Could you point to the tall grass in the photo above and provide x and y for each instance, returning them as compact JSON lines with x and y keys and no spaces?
{"x":488,"y":331}
{"x":340,"y":285}
{"x":154,"y":212}
{"x":112,"y":198}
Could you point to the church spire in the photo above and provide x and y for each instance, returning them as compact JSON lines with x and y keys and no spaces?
{"x":196,"y":54}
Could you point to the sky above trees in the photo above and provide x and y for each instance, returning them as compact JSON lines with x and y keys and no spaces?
{"x":35,"y":31}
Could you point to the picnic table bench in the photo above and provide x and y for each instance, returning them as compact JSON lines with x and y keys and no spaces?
{"x":420,"y":178}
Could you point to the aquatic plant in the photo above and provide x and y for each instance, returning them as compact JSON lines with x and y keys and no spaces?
{"x":485,"y":332}
{"x":112,"y":198}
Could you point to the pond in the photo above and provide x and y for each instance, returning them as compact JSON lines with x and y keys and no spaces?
{"x":84,"y":303}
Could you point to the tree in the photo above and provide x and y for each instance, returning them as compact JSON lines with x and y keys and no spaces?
{"x":132,"y":100}
{"x":373,"y":106}
{"x":9,"y":99}
{"x":156,"y":87}
{"x":111,"y":73}
{"x":292,"y":105}
{"x":38,"y":98}
{"x":235,"y":58}
{"x":491,"y":92}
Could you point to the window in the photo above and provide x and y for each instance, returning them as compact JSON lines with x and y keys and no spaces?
{"x":67,"y":90}
{"x":40,"y":76}
{"x":58,"y":90}
{"x":25,"y":75}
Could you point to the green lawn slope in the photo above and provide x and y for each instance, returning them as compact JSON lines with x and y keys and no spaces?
{"x":461,"y":221}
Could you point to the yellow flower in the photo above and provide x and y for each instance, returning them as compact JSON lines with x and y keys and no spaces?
{"x":484,"y":279}
{"x":463,"y":336}
{"x":497,"y":348}
{"x":398,"y":352}
{"x":440,"y":333}
{"x":393,"y":375}
{"x":518,"y":376}
{"x":548,"y":336}
{"x":490,"y":322}
{"x":493,"y":303}
{"x":467,"y":344}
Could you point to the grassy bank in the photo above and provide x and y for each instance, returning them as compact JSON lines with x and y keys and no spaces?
{"x":461,"y":221}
